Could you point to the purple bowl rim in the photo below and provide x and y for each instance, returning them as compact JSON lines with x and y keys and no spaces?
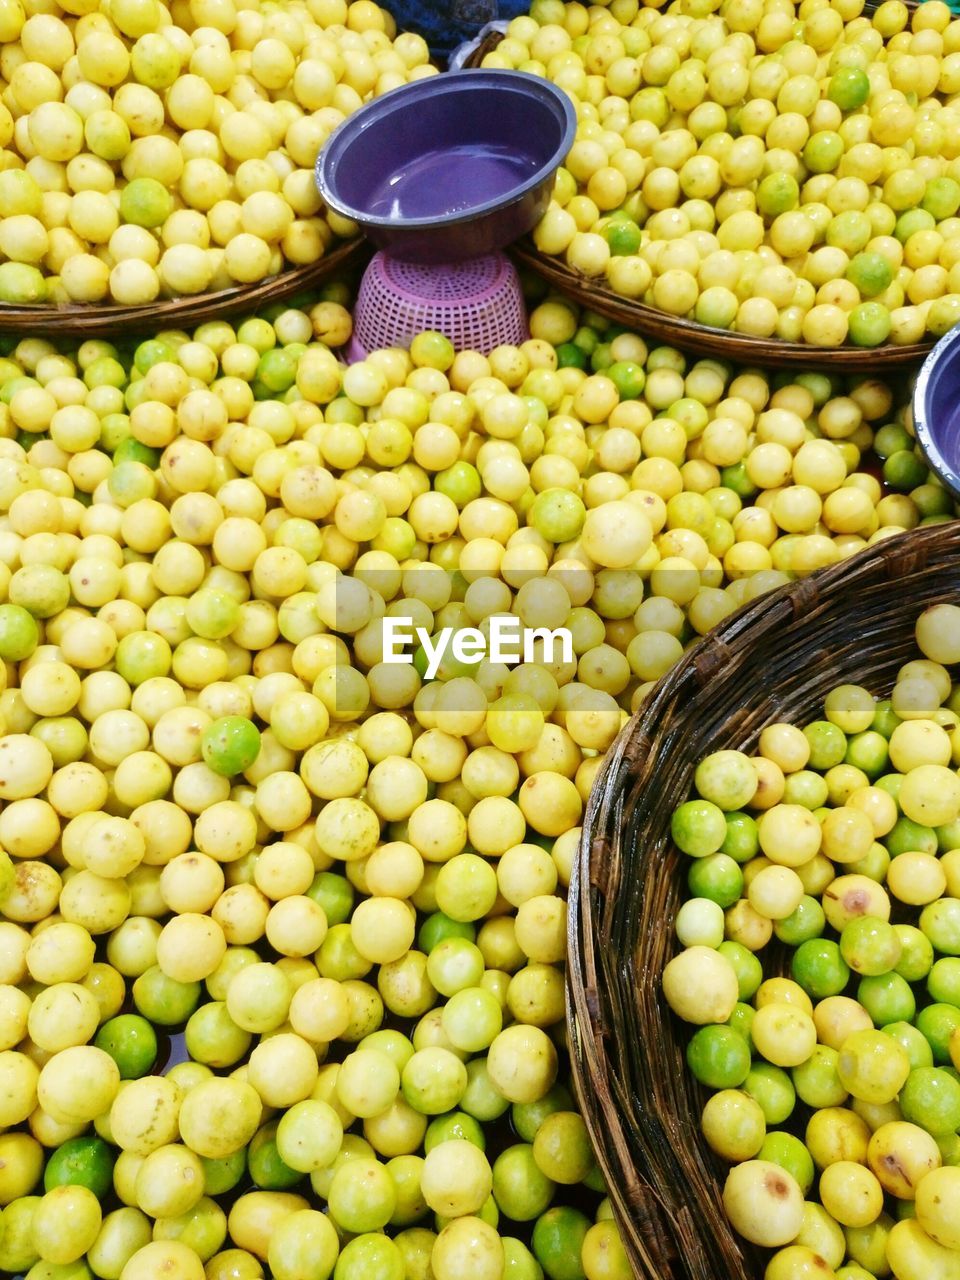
{"x":925,"y":436}
{"x":453,"y":82}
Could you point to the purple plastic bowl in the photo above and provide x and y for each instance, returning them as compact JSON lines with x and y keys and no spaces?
{"x":936,"y":410}
{"x":452,"y":166}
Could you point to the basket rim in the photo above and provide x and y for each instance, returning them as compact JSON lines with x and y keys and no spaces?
{"x":591,"y":1034}
{"x":78,"y":318}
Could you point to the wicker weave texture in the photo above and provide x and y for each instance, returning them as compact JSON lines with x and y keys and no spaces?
{"x":776,"y":659}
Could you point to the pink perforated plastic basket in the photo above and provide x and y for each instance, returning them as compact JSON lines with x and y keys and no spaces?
{"x":477,"y":304}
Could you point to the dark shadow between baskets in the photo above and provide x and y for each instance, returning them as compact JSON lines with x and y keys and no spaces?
{"x":775,"y":659}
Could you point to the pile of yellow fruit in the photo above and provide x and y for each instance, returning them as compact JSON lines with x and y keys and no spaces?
{"x":771,"y":168}
{"x":153,"y":151}
{"x":222,"y":803}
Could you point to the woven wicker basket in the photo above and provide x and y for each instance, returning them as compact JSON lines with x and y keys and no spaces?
{"x":742,"y":348}
{"x":486,"y":45}
{"x":109,"y":320}
{"x":775,"y":659}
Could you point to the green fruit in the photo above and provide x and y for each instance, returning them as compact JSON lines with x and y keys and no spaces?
{"x":335,"y":894}
{"x":19,"y":633}
{"x":230,"y":745}
{"x":741,"y":841}
{"x":717,"y":307}
{"x":790,"y":1154}
{"x":717,"y":877}
{"x":519,"y":1262}
{"x":557,"y":1241}
{"x":84,"y":1162}
{"x":166,"y":1002}
{"x":823,"y":151}
{"x":819,"y":968}
{"x":628,"y":378}
{"x":152,"y":351}
{"x":220,"y":1176}
{"x":904,"y":471}
{"x":557,"y":515}
{"x":277,"y":369}
{"x":370,"y":1256}
{"x":931,"y":1098}
{"x":132,"y":1043}
{"x":777,"y":193}
{"x":698,"y":828}
{"x":869,"y":324}
{"x":460,"y":483}
{"x":849,"y":88}
{"x":266,"y":1168}
{"x":623,"y":236}
{"x":911,"y":221}
{"x":455,"y":1124}
{"x":889,"y":439}
{"x":571,"y":356}
{"x":130,"y":450}
{"x":521,"y":1189}
{"x":941,"y":198}
{"x":146,"y":203}
{"x":527,"y":1117}
{"x":870,"y":272}
{"x":601,"y":357}
{"x":719,"y":1057}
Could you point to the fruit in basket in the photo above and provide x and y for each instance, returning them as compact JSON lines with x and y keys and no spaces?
{"x":173,"y":154}
{"x":778,"y":169}
{"x":701,"y":985}
{"x":874,"y":1090}
{"x":284,"y":843}
{"x":763,"y":1202}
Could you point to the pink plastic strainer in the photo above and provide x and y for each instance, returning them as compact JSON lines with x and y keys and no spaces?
{"x":477,"y":304}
